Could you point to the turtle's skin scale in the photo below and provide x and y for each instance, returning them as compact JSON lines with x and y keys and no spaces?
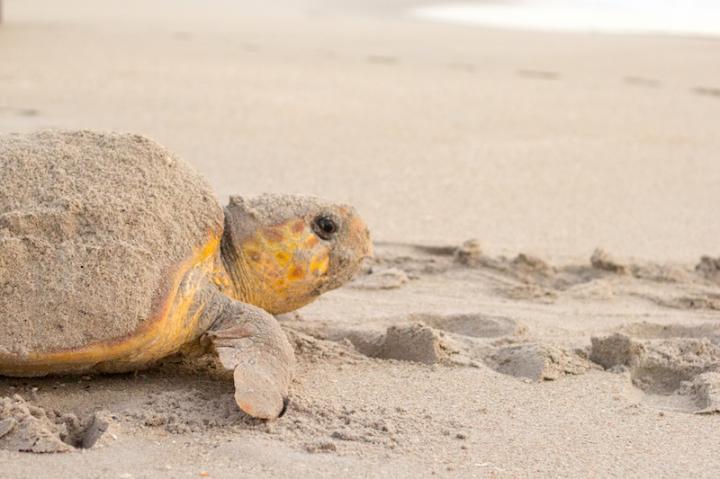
{"x":114,"y":254}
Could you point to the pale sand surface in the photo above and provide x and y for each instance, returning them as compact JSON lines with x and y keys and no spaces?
{"x":551,"y":144}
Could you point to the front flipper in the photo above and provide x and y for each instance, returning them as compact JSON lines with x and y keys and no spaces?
{"x":250,"y":342}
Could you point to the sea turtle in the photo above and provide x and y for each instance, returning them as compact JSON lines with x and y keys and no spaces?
{"x":115,"y":254}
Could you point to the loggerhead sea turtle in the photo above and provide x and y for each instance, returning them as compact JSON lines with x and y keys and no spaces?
{"x":115,"y":254}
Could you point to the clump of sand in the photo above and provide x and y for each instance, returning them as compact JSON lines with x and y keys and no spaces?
{"x":709,"y":267}
{"x":600,"y":259}
{"x":469,"y":253}
{"x":615,"y":350}
{"x":705,"y":388}
{"x":537,"y":362}
{"x":671,"y":365}
{"x":414,"y":342}
{"x":30,"y":428}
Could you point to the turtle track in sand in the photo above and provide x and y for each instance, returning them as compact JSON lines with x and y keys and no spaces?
{"x":661,"y":359}
{"x":677,"y":366}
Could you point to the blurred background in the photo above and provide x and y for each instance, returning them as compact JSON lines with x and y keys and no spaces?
{"x":544,"y":126}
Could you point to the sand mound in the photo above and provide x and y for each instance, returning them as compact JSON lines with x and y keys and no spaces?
{"x":706,"y":392}
{"x":469,"y":253}
{"x":537,"y":362}
{"x":657,"y":366}
{"x":601,"y":260}
{"x":410,"y":342}
{"x":709,"y":268}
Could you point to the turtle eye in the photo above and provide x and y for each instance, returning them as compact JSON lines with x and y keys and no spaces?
{"x":325,"y":227}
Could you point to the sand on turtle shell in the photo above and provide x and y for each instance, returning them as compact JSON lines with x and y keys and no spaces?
{"x":91,"y":227}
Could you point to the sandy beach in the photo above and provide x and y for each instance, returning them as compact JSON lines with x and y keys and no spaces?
{"x":528,"y":353}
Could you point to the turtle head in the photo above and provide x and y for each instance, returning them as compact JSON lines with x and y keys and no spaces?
{"x":283,"y":251}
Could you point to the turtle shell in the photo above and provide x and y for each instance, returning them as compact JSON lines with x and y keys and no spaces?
{"x":97,"y":231}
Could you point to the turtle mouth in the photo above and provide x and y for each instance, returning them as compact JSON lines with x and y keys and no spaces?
{"x":344,"y":269}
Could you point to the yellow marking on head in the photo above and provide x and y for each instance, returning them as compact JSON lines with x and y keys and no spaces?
{"x":311,"y":241}
{"x":282,"y":258}
{"x":319,"y":265}
{"x":296,"y":273}
{"x":291,"y":265}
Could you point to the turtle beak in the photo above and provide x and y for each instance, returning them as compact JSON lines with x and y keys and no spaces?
{"x":359,"y":236}
{"x":370,"y":253}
